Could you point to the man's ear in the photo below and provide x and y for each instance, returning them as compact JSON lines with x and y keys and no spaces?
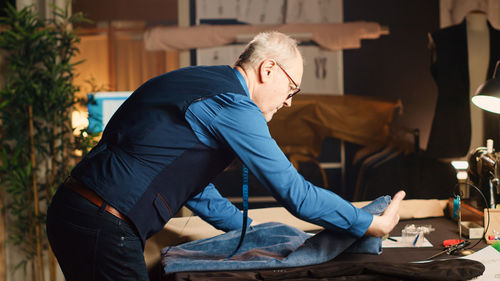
{"x":266,"y":70}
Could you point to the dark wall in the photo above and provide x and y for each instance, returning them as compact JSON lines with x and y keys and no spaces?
{"x":152,"y":11}
{"x":395,"y":65}
{"x":3,"y":5}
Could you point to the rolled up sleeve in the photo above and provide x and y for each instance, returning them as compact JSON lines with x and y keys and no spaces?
{"x":216,"y":210}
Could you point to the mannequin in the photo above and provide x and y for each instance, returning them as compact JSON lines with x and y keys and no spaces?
{"x":464,"y":56}
{"x":478,"y":49}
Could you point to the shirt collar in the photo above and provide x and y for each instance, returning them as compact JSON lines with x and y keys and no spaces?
{"x":242,"y":81}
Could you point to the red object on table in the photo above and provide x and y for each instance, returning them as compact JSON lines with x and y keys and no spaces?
{"x":450,"y":242}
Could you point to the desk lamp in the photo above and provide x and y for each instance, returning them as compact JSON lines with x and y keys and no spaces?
{"x":487,"y":97}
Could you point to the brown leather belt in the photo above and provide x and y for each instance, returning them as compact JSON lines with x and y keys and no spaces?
{"x":90,"y":195}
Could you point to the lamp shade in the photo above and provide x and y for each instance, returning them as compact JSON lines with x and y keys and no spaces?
{"x":487,"y":96}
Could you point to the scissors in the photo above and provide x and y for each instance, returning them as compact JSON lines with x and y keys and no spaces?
{"x":451,"y":249}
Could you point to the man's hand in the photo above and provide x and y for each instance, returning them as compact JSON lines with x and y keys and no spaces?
{"x":382,"y":225}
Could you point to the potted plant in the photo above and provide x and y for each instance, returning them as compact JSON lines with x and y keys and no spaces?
{"x":36,"y":142}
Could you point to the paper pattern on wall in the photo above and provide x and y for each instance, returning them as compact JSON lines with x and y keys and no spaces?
{"x":322,"y":71}
{"x":225,"y":55}
{"x":219,"y":9}
{"x":248,"y":11}
{"x":263,"y":12}
{"x":314,"y":11}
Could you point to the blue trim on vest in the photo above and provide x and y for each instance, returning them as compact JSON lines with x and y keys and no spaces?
{"x":149,"y":162}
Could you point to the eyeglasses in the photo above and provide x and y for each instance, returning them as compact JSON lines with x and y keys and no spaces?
{"x":297,"y":89}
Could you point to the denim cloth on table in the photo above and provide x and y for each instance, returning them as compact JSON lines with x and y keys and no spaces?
{"x":269,"y":245}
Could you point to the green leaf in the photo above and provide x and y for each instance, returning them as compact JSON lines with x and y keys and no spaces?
{"x":38,"y":73}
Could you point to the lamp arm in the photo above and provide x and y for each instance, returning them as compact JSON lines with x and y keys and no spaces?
{"x":496,"y":68}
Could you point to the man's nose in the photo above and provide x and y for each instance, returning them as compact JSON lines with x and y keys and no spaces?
{"x":288,"y":102}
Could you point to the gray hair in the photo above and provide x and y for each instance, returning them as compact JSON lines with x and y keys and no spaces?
{"x":269,"y":45}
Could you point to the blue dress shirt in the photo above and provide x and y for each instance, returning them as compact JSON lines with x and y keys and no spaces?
{"x":235,"y":120}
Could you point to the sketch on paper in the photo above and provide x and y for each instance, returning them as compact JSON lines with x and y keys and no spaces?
{"x":249,"y":11}
{"x":314,"y":11}
{"x":322,"y":71}
{"x":224,"y":55}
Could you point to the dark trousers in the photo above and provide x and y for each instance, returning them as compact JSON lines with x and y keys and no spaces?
{"x":90,"y":243}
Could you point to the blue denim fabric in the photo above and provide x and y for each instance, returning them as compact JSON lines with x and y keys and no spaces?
{"x":91,"y":244}
{"x":269,"y":245}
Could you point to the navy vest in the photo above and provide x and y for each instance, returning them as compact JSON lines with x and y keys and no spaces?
{"x":149,"y":162}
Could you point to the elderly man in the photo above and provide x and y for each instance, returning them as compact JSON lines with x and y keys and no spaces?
{"x":164,"y":145}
